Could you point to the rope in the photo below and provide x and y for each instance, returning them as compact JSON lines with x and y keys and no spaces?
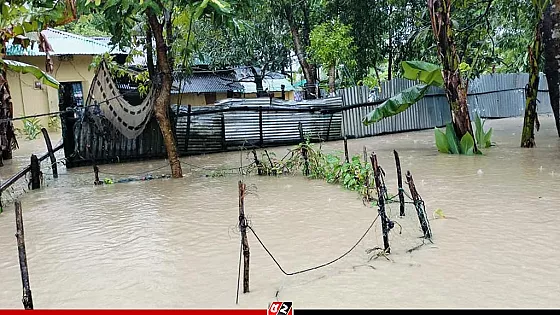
{"x":316,"y":267}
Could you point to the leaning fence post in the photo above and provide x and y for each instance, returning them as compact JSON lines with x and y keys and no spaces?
{"x":27,"y":299}
{"x":419,"y":205}
{"x":244,"y":241}
{"x":399,"y":182}
{"x":381,"y":203}
{"x":51,"y":152}
{"x":35,"y":172}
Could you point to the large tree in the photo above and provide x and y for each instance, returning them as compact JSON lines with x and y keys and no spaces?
{"x":258,"y":42}
{"x":122,"y":18}
{"x":551,"y":41}
{"x":535,"y":52}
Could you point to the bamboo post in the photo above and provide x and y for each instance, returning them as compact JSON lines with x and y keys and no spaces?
{"x":244,"y":241}
{"x":419,"y":205}
{"x":346,"y":150}
{"x":365,"y":155}
{"x":381,"y":203}
{"x":35,"y":172}
{"x":27,"y":298}
{"x":51,"y":152}
{"x":399,"y":182}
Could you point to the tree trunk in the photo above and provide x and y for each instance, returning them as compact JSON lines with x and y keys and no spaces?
{"x":7,"y":136}
{"x":551,"y":42}
{"x":258,"y":79}
{"x":528,"y":134}
{"x":163,"y":81}
{"x":300,"y":49}
{"x":332,"y":79}
{"x":455,"y":86}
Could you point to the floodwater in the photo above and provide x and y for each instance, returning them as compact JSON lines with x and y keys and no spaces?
{"x":173,"y":244}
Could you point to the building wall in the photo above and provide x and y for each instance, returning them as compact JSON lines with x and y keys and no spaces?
{"x":29,"y":100}
{"x":195,"y":99}
{"x":289,"y":95}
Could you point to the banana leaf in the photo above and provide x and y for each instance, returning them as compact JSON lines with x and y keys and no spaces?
{"x":427,"y":73}
{"x":452,"y":139}
{"x":467,"y":144}
{"x":441,"y":141}
{"x":24,"y":68}
{"x":396,"y":104}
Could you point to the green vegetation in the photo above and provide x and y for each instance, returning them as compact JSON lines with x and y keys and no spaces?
{"x":32,"y":128}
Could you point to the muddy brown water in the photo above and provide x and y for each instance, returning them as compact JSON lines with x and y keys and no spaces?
{"x":173,"y":244}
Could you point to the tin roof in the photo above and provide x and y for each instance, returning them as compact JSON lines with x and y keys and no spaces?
{"x":208,"y":82}
{"x":63,"y":43}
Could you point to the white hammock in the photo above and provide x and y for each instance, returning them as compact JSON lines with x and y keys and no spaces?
{"x":129,"y":119}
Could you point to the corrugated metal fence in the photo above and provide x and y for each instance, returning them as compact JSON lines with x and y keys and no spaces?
{"x":261,"y":122}
{"x":492,"y":96}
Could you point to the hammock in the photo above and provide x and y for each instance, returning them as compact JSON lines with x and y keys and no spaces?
{"x":129,"y":119}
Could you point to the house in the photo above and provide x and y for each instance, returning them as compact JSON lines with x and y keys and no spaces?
{"x":273,"y":82}
{"x":205,"y":87}
{"x":71,"y":56}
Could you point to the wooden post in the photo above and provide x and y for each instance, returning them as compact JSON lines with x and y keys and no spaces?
{"x":419,"y":204}
{"x":305,"y":160}
{"x":329,"y":127}
{"x":258,"y":163}
{"x":381,"y":203}
{"x":51,"y":152}
{"x":261,"y":139}
{"x":27,"y":298}
{"x":189,"y":110}
{"x":399,"y":182}
{"x":300,"y":128}
{"x":35,"y":172}
{"x":244,"y":241}
{"x":346,"y":150}
{"x":224,"y":144}
{"x":365,"y":155}
{"x":96,"y":172}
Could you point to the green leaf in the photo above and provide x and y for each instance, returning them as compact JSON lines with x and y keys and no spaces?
{"x":479,"y":132}
{"x":467,"y":144}
{"x":24,"y":68}
{"x":396,"y":104}
{"x":452,"y":139}
{"x":441,"y":141}
{"x":425,"y":72}
{"x":487,"y":137}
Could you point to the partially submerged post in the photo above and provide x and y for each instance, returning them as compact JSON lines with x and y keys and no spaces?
{"x":399,"y":182}
{"x":35,"y":172}
{"x":419,"y":205}
{"x":96,"y":172}
{"x":244,"y":241}
{"x":346,"y":150}
{"x":381,"y":203}
{"x":50,"y":152}
{"x":258,"y":163}
{"x":27,"y":299}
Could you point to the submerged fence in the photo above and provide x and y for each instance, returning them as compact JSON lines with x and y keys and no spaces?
{"x":232,"y":124}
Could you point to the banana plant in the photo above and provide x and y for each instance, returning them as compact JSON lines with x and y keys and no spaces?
{"x":429,"y":75}
{"x":23,"y":68}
